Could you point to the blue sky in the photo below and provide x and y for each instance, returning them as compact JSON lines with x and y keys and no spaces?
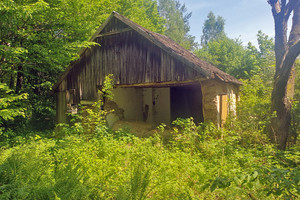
{"x":243,"y":18}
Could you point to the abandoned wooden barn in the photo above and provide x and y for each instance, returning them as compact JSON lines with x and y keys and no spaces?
{"x":156,"y":80}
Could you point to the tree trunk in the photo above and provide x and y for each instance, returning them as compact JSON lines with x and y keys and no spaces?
{"x":20,"y":78}
{"x":282,"y":95}
{"x":286,"y":52}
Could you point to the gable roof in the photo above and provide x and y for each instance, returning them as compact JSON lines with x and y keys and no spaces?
{"x":206,"y":69}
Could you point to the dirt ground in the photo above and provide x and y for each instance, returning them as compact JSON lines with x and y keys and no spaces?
{"x":141,"y":129}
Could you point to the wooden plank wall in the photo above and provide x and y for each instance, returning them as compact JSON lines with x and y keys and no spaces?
{"x":130,"y":57}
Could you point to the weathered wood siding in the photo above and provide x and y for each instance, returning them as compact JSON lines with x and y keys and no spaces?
{"x":129,"y":57}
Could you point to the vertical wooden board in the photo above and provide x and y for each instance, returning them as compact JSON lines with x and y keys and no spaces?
{"x":124,"y":61}
{"x":121,"y":63}
{"x":167,"y":68}
{"x":109,"y":65}
{"x":128,"y":63}
{"x":164,"y":67}
{"x":134,"y":60}
{"x":163,"y":62}
{"x":101,"y":70}
{"x":79,"y":88}
{"x":131,"y":66}
{"x":115,"y":62}
{"x":61,"y":103}
{"x":170,"y":77}
{"x":97,"y":64}
{"x":86,"y":89}
{"x":104,"y":63}
{"x":80,"y":75}
{"x":142,"y":63}
{"x":139,"y":65}
{"x":94,"y":76}
{"x":147,"y":65}
{"x":88,"y":78}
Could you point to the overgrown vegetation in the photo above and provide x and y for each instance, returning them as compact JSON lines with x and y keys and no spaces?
{"x":39,"y":38}
{"x":199,"y":161}
{"x":90,"y":161}
{"x":87,"y":160}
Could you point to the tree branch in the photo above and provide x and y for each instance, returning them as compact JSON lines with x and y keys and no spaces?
{"x":283,"y":5}
{"x":280,"y":30}
{"x":276,"y":8}
{"x":292,"y":54}
{"x":289,"y":8}
{"x":295,"y":31}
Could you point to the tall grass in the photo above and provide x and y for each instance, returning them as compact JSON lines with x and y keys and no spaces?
{"x":198,"y":162}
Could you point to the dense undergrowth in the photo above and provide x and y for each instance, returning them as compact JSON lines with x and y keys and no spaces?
{"x":196,"y":162}
{"x":87,"y":160}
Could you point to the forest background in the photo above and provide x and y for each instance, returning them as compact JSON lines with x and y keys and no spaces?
{"x":39,"y":38}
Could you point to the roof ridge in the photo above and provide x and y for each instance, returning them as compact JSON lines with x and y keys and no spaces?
{"x":210,"y":71}
{"x":167,"y":44}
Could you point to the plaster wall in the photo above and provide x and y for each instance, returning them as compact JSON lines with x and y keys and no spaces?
{"x":161,"y":106}
{"x":151,"y":105}
{"x":147,"y":102}
{"x":130,"y":100}
{"x":212,"y":91}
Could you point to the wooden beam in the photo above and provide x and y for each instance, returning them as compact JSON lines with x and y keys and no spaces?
{"x":161,"y":84}
{"x":114,"y":32}
{"x":86,"y":102}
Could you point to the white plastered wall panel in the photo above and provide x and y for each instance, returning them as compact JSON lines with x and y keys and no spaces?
{"x":130,"y":100}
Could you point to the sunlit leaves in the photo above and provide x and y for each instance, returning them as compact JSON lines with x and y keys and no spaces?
{"x":10,"y":104}
{"x":177,"y":22}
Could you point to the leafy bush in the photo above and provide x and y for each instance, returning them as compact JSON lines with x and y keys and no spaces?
{"x":198,"y":162}
{"x":11,"y":108}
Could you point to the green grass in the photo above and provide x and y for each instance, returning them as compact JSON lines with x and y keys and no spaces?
{"x":198,"y":162}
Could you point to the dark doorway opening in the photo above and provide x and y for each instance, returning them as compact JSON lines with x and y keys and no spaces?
{"x":186,"y":101}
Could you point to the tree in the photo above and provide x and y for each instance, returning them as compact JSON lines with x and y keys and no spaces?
{"x":213,"y":28}
{"x":143,"y":12}
{"x":227,"y":54}
{"x":287,"y":50}
{"x":231,"y":56}
{"x":39,"y":38}
{"x":10,"y":106}
{"x":177,"y":22}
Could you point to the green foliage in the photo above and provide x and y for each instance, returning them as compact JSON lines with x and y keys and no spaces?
{"x":10,"y":104}
{"x":295,"y":113}
{"x":91,"y":119}
{"x":39,"y":38}
{"x":177,"y":22}
{"x":228,"y":55}
{"x":108,"y":86}
{"x":231,"y":56}
{"x":199,"y":162}
{"x":143,"y":12}
{"x":254,"y":109}
{"x":213,"y":28}
{"x":11,"y":108}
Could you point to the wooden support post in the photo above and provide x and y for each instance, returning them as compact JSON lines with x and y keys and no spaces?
{"x":61,"y":105}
